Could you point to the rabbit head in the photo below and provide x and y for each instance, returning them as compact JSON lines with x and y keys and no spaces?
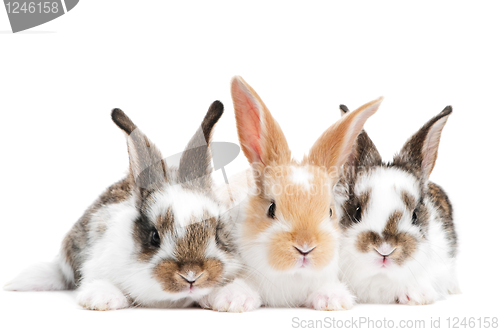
{"x":386,"y":209}
{"x":179,"y":232}
{"x":290,"y":225}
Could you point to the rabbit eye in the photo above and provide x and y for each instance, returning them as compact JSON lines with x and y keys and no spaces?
{"x":271,"y":210}
{"x":331,"y":213}
{"x":357,"y":214}
{"x":414,"y":219}
{"x":217,"y":235}
{"x":155,"y":238}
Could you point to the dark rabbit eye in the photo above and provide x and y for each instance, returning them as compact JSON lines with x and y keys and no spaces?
{"x":357,"y":214}
{"x":155,"y":238}
{"x":331,"y":213}
{"x":414,"y":219}
{"x":271,"y":210}
{"x":217,"y":235}
{"x":220,"y":239}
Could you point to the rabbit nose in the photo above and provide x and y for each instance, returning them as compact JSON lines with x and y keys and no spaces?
{"x":385,"y":250}
{"x":190,"y":277}
{"x":304,"y":250}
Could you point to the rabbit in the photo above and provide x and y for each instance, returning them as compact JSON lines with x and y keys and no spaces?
{"x":398,"y":243}
{"x":285,"y":229}
{"x":157,"y":238}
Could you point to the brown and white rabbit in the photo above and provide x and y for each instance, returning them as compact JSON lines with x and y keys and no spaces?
{"x":398,"y":238}
{"x":286,"y":230}
{"x":155,"y":238}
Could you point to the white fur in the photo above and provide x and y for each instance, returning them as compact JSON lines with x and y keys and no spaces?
{"x":332,"y":296}
{"x":235,"y":297}
{"x":39,"y":277}
{"x":101,"y":295}
{"x":187,"y":206}
{"x":300,"y":175}
{"x":428,"y":275}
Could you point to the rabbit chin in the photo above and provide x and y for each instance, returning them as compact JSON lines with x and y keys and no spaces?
{"x":384,"y":265}
{"x":303,"y":266}
{"x":192,"y":292}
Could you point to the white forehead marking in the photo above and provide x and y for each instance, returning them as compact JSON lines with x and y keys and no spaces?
{"x":385,"y":186}
{"x":388,"y":180}
{"x":187,"y":206}
{"x":300,"y":175}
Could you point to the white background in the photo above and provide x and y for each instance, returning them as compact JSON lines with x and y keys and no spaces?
{"x":164,"y":63}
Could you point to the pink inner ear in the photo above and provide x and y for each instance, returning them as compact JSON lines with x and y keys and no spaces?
{"x":431,"y":145}
{"x":249,"y":121}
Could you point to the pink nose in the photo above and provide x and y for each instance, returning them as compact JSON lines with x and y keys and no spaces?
{"x":385,"y":249}
{"x":304,"y":250}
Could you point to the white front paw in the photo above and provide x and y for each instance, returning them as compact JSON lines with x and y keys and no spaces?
{"x":336,"y":297}
{"x":417,"y":297}
{"x":235,"y":297}
{"x":101,"y":295}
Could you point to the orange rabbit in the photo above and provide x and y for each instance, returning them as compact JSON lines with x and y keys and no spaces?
{"x":286,"y":230}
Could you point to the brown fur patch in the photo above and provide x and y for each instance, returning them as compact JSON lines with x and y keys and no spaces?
{"x":190,"y":256}
{"x":191,"y":247}
{"x":391,"y":227}
{"x":409,"y":201}
{"x":406,"y":246}
{"x":364,"y":199}
{"x":167,"y":274}
{"x":350,"y":208}
{"x":441,"y":201}
{"x":170,"y":274}
{"x":404,"y":243}
{"x":367,"y":241}
{"x":165,"y":222}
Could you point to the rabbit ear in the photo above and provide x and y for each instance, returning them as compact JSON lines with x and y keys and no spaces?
{"x":261,"y":138}
{"x":195,"y":163}
{"x":364,"y":152}
{"x":420,"y":151}
{"x":343,"y":110}
{"x":334,"y":146}
{"x":147,"y":167}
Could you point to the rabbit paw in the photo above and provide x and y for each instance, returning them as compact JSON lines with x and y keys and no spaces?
{"x":235,"y":297}
{"x":101,"y":295}
{"x":417,"y":297}
{"x":337,"y":297}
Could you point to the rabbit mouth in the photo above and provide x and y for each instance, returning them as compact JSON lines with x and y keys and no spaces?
{"x":195,"y":291}
{"x":384,"y":262}
{"x":303,"y":263}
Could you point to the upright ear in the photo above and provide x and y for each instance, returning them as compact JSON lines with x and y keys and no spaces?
{"x":147,"y":167}
{"x":364,"y":152}
{"x":195,"y":160}
{"x":261,"y":138}
{"x":343,"y":109}
{"x":334,"y":146}
{"x":420,"y":151}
